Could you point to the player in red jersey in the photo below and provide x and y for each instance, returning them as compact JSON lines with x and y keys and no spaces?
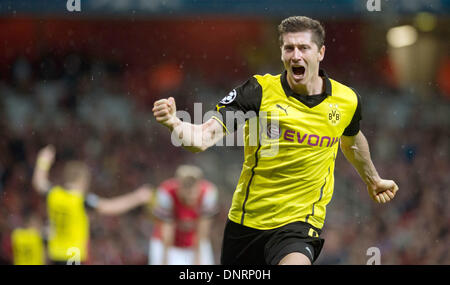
{"x":184,"y":209}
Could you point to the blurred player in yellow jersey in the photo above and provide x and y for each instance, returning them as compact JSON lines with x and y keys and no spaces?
{"x":27,"y":243}
{"x":66,"y":207}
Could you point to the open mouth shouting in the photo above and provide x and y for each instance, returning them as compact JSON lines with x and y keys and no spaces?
{"x":298,"y":72}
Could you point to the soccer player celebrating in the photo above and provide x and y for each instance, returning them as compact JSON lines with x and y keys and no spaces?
{"x":184,"y":208}
{"x":69,"y":224}
{"x":278,"y":208}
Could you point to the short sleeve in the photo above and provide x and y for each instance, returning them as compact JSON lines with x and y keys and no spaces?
{"x":164,"y":205}
{"x":91,"y":201}
{"x":209,"y":205}
{"x":354,"y":127}
{"x":49,"y":189}
{"x":242,"y":103}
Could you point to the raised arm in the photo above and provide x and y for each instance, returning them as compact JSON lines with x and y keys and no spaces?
{"x":195,"y":138}
{"x":356,"y":150}
{"x":44,"y":161}
{"x":121,"y":204}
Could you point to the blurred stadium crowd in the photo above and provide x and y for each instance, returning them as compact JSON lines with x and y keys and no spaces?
{"x":81,"y":107}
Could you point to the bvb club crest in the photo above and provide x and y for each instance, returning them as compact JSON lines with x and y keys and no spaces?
{"x":334,"y":116}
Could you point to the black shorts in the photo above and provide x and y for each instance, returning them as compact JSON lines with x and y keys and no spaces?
{"x":244,"y":245}
{"x":54,"y":262}
{"x":59,"y":262}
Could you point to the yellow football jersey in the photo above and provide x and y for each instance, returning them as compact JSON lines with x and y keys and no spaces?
{"x":27,"y":247}
{"x":69,"y":224}
{"x":289,"y":157}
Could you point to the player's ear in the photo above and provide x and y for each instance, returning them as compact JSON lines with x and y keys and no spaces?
{"x":321,"y":53}
{"x":281,"y":44}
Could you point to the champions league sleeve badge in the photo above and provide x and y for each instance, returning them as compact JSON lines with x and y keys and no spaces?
{"x":229,"y":98}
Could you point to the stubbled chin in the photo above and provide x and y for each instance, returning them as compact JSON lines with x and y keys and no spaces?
{"x":298,"y":78}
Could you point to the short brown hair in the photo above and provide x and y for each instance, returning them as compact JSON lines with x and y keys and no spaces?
{"x":296,"y":24}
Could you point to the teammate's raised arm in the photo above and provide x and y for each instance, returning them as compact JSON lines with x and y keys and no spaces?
{"x":121,"y":204}
{"x":44,"y":161}
{"x":356,"y":150}
{"x":195,"y":138}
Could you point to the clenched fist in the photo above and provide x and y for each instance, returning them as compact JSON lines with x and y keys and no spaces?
{"x":164,"y":111}
{"x":383,"y":191}
{"x":46,"y":157}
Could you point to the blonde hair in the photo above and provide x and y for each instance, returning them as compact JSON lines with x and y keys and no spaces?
{"x":75,"y":171}
{"x":188,"y":174}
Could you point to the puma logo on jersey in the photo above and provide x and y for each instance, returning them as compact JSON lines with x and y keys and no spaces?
{"x":285,"y":110}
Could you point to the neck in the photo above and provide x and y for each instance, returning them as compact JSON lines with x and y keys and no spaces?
{"x":76,"y":187}
{"x":312,"y":87}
